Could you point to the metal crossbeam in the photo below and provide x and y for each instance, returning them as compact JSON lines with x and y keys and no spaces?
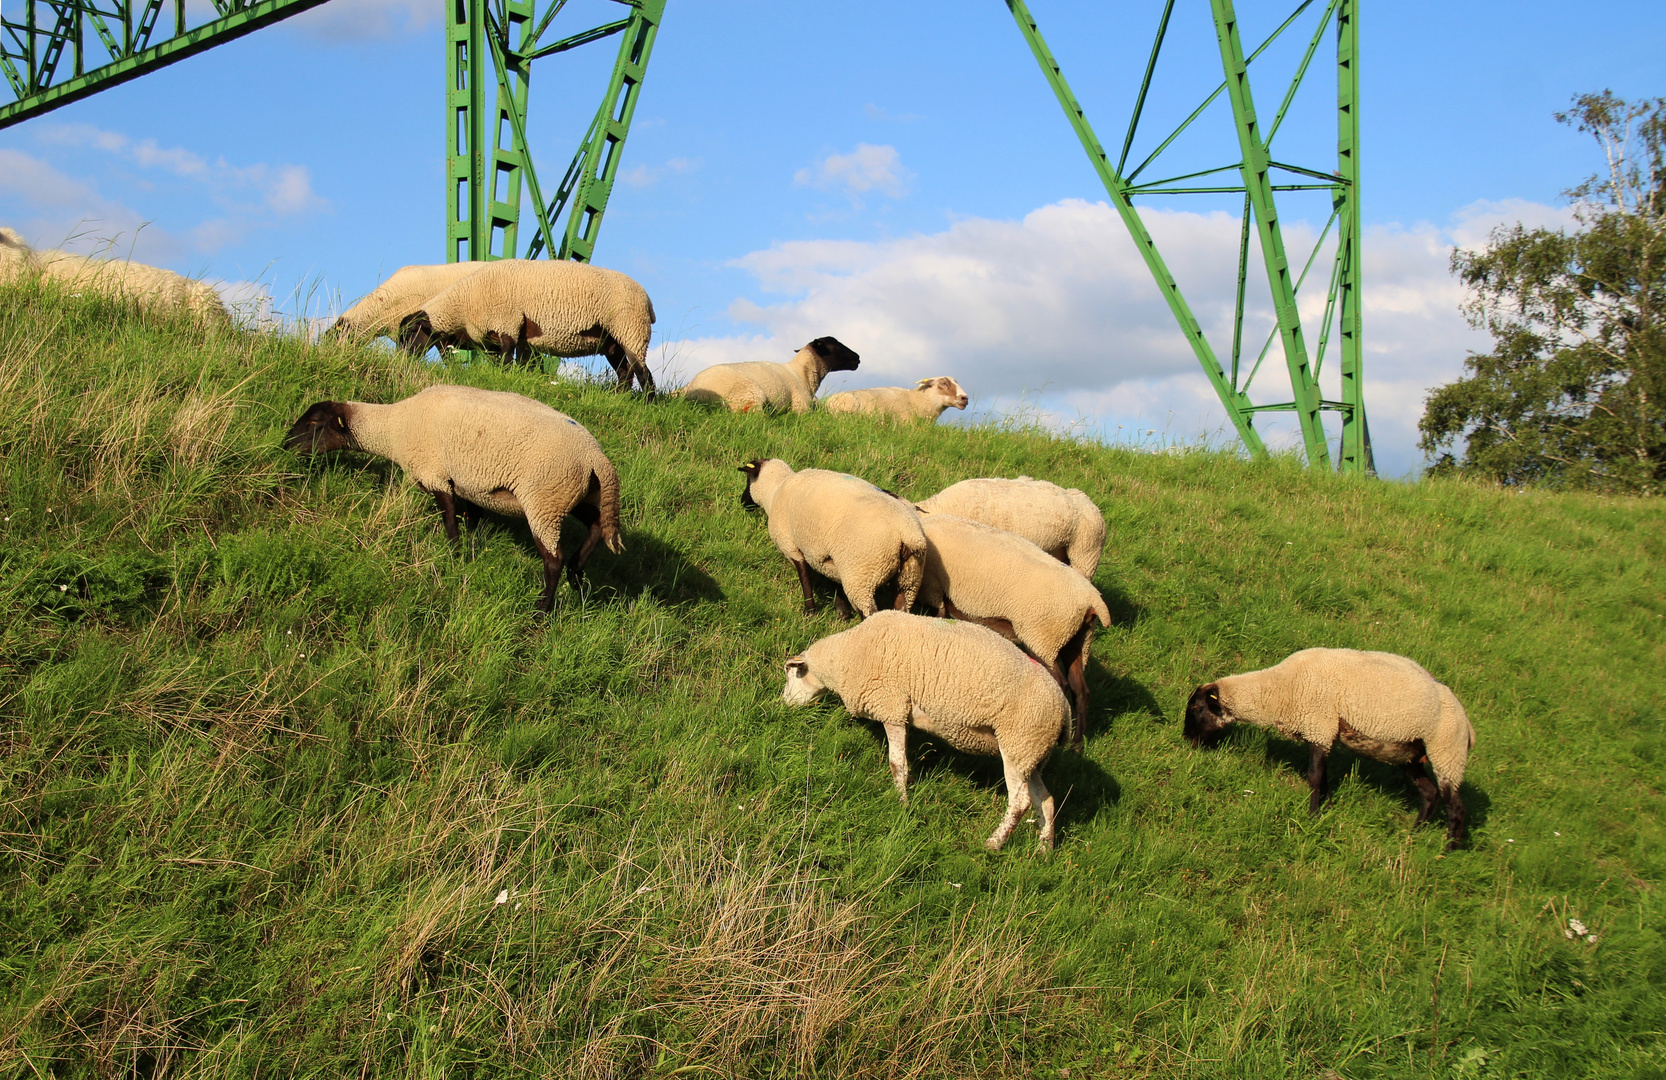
{"x":1257,"y":170}
{"x":487,"y":152}
{"x":31,"y":50}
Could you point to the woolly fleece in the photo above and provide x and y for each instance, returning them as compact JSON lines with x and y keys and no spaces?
{"x":926,"y":401}
{"x":155,"y":290}
{"x":381,"y":311}
{"x":1063,"y":522}
{"x":963,"y":683}
{"x":765,"y":387}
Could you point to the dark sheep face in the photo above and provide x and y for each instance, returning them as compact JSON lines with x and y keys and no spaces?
{"x":321,"y":428}
{"x":751,"y":469}
{"x":1206,"y":717}
{"x":835,"y":354}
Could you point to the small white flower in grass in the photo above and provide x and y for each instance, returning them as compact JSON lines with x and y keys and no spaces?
{"x":502,"y":897}
{"x":517,"y":905}
{"x":956,"y":884}
{"x":1576,"y":928}
{"x":1511,"y":840}
{"x":1558,"y":834}
{"x":63,"y":588}
{"x":1247,"y":791}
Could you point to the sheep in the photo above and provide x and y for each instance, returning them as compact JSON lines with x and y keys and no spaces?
{"x":961,"y":682}
{"x":1380,"y":705}
{"x":484,"y":448}
{"x":382,"y":311}
{"x":155,"y":290}
{"x":985,"y":575}
{"x":844,"y":527}
{"x":773,"y":387}
{"x":926,"y":401}
{"x":519,"y":307}
{"x":1063,"y":522}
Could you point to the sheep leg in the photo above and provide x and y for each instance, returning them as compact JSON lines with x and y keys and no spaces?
{"x":1454,"y":815}
{"x":552,"y":571}
{"x":1018,"y":801}
{"x":841,"y":603}
{"x":861,"y":597}
{"x":896,"y":741}
{"x":448,"y":507}
{"x":1318,"y":759}
{"x":803,"y":569}
{"x":1074,"y":658}
{"x":1042,"y":800}
{"x":1425,"y":790}
{"x":592,"y":517}
{"x":620,"y":361}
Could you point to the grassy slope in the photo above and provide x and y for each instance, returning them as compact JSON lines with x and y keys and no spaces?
{"x":272,"y":750}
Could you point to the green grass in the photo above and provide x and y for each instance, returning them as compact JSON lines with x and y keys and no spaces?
{"x":273,"y":749}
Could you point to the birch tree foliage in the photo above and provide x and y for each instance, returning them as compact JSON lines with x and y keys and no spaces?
{"x":1573,"y":393}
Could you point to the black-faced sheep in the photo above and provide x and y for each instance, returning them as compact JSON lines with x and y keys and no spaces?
{"x":483,"y":448}
{"x":383,"y":310}
{"x":1063,"y":522}
{"x":1379,"y":705}
{"x":926,"y":401}
{"x":963,"y":683}
{"x":763,"y":386}
{"x":843,"y":528}
{"x":155,"y":290}
{"x":522,"y":307}
{"x":978,"y":573}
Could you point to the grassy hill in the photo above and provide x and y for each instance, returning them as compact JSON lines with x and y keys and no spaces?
{"x":291,"y":788}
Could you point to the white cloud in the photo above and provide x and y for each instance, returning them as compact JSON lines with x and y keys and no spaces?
{"x":1057,"y":314}
{"x":866,"y":168}
{"x":648,"y":175}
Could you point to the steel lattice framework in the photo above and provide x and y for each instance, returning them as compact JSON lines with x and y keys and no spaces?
{"x":1259,"y":181}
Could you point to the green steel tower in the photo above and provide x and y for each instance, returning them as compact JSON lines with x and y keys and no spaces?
{"x":1260,"y":177}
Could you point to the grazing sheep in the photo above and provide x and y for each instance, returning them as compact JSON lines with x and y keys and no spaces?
{"x":519,"y":307}
{"x":155,"y":290}
{"x":960,"y":682}
{"x":844,"y":528}
{"x":484,"y":448}
{"x":982,"y":574}
{"x":771,"y":387}
{"x":1380,"y":705}
{"x":926,"y":401}
{"x":1063,"y":522}
{"x":382,"y":311}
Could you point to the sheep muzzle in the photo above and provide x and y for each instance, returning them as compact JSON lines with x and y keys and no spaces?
{"x":1205,"y":720}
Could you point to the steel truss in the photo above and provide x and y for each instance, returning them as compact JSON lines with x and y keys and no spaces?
{"x":109,"y":43}
{"x":487,"y":156}
{"x":1258,"y":183}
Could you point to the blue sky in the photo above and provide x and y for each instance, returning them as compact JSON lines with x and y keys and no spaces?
{"x":896,"y":175}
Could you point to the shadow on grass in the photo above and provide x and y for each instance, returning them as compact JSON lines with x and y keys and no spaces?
{"x":1390,"y":780}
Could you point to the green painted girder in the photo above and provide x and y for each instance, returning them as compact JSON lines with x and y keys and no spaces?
{"x":31,"y":51}
{"x":1256,"y":168}
{"x":488,"y":155}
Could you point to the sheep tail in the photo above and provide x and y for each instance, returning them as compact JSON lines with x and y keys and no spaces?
{"x":910,"y":575}
{"x":607,"y":480}
{"x":1100,"y":609}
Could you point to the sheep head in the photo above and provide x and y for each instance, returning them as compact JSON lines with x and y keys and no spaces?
{"x":1207,"y":716}
{"x":834,"y":354}
{"x":764,"y":477}
{"x":949,"y":391}
{"x":324,"y":427}
{"x":802,"y":686}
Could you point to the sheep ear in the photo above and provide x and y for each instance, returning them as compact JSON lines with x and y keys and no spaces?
{"x":797,"y":665}
{"x":923,"y":383}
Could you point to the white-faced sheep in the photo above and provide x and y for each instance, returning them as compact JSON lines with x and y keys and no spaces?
{"x":383,"y":310}
{"x":982,"y":574}
{"x":843,"y":528}
{"x":963,"y":683}
{"x":1063,"y":522}
{"x":765,"y":387}
{"x":926,"y":401}
{"x":473,"y":448}
{"x":1379,"y":705}
{"x":155,"y":290}
{"x":521,"y":307}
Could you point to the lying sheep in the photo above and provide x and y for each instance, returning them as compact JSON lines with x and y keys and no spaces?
{"x":382,"y":311}
{"x":960,"y":682}
{"x":843,"y":527}
{"x":519,"y":307}
{"x":926,"y":401}
{"x":986,"y":575}
{"x":771,"y":387}
{"x":155,"y":290}
{"x":474,"y":448}
{"x":1063,"y":522}
{"x":1380,"y":705}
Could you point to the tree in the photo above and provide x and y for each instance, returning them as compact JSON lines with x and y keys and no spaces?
{"x":1574,"y":391}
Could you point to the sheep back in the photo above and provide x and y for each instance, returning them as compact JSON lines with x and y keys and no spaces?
{"x":846,"y":529}
{"x":755,"y":386}
{"x":565,"y":308}
{"x":155,"y":290}
{"x":1063,"y":522}
{"x":381,"y":311}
